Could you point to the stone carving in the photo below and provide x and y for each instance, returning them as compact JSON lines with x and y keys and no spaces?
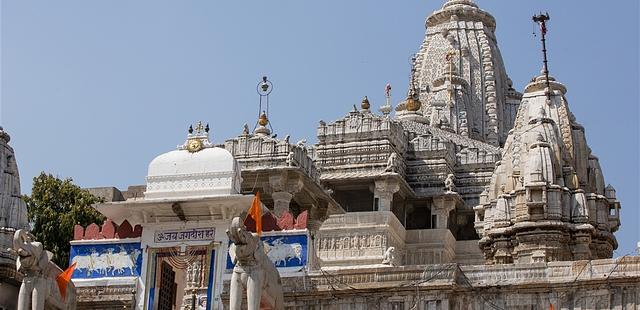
{"x":110,"y":262}
{"x":260,"y":152}
{"x":280,"y":252}
{"x":389,"y":257}
{"x":448,"y":183}
{"x":39,"y":287}
{"x":291,"y":159}
{"x":392,"y":163}
{"x":463,"y":28}
{"x":547,"y":166}
{"x":253,"y":271}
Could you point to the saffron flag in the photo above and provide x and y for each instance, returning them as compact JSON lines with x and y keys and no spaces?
{"x":256,"y":213}
{"x":551,"y":306}
{"x":63,"y":280}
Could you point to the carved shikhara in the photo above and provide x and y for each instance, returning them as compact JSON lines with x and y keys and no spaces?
{"x":547,"y":199}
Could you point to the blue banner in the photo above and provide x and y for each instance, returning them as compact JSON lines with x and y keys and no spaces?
{"x":106,"y":260}
{"x":285,"y":251}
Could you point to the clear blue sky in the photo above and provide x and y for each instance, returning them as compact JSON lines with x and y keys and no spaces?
{"x":93,"y":90}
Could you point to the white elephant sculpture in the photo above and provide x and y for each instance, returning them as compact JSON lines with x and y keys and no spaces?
{"x":252,"y":271}
{"x":39,"y":286}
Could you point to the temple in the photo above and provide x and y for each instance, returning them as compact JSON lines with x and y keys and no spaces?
{"x":13,"y":216}
{"x":466,"y":194}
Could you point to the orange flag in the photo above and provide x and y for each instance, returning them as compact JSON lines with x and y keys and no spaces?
{"x":256,"y":213}
{"x":551,"y":306}
{"x":63,"y":280}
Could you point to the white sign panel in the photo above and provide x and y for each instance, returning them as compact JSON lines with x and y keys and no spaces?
{"x":196,"y":234}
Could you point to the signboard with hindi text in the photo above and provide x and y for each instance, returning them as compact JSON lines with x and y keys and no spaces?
{"x":195,"y":234}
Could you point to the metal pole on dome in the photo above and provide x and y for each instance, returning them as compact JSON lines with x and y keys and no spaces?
{"x":542,"y":20}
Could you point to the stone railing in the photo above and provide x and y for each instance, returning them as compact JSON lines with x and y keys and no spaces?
{"x":357,"y":125}
{"x":422,"y":129}
{"x":361,"y":238}
{"x":359,"y":145}
{"x":468,"y":253}
{"x":368,"y":236}
{"x":429,"y":246}
{"x":263,"y":152}
{"x":555,"y":272}
{"x":561,"y":274}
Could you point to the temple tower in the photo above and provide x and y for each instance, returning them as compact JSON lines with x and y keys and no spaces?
{"x":459,"y":75}
{"x":547,"y":199}
{"x":13,"y":216}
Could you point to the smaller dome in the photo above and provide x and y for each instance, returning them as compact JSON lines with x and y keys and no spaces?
{"x":197,"y":169}
{"x":181,"y":162}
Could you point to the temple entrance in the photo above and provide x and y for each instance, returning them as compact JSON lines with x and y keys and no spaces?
{"x":167,"y":290}
{"x":181,"y":278}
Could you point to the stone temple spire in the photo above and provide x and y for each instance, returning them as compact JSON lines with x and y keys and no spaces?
{"x":460,"y":74}
{"x":13,"y":210}
{"x":547,"y":199}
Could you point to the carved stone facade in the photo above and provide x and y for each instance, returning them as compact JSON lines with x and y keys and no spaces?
{"x":547,"y":199}
{"x":431,"y":207}
{"x":460,"y":75}
{"x":598,"y":285}
{"x":13,"y":216}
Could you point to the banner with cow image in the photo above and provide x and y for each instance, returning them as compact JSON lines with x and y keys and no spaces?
{"x":286,"y":251}
{"x":106,"y":260}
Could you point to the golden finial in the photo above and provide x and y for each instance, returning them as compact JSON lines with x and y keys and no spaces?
{"x":413,"y":104}
{"x":263,"y":120}
{"x":365,"y":103}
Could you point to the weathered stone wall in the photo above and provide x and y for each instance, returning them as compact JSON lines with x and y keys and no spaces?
{"x":106,"y":297}
{"x":585,"y":285}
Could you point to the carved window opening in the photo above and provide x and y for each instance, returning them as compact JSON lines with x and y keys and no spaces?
{"x":355,"y":200}
{"x":420,"y":218}
{"x":432,"y":304}
{"x":462,"y":226}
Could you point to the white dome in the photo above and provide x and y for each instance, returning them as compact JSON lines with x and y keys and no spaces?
{"x":211,"y":171}
{"x":213,"y":159}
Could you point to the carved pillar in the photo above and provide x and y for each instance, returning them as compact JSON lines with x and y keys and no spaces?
{"x":282,"y":189}
{"x":317,"y":215}
{"x":581,"y":250}
{"x":442,"y":205}
{"x":281,"y":202}
{"x":383,"y":193}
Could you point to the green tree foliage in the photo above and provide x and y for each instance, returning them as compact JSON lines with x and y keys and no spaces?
{"x":54,"y":207}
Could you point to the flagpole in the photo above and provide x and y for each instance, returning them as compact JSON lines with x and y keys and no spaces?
{"x":542,"y":20}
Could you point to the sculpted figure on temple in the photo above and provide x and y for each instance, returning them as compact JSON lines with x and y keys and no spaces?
{"x":39,"y":282}
{"x":392,"y":163}
{"x":291,"y":159}
{"x":389,"y":257}
{"x":448,"y":183}
{"x":252,"y":271}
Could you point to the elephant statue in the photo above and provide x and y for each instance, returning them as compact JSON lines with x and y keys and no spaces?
{"x":253,"y":271}
{"x":39,"y":289}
